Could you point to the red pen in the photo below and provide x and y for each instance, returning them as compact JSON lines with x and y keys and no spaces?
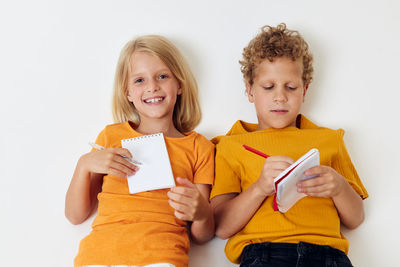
{"x":255,"y":151}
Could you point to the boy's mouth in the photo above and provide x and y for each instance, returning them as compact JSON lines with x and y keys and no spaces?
{"x":280,"y":111}
{"x":155,"y":99}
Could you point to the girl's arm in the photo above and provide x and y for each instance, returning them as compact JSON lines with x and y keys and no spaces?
{"x":331,"y":184}
{"x":233,"y":211}
{"x":203,"y":230}
{"x":190,"y":202}
{"x":86,"y":182}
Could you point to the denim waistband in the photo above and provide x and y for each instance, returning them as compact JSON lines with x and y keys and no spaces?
{"x":283,"y":249}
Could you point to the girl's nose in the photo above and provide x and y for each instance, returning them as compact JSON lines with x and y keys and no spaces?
{"x":153,"y":86}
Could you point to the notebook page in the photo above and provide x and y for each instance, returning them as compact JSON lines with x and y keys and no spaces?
{"x":287,"y":195}
{"x":155,"y":171}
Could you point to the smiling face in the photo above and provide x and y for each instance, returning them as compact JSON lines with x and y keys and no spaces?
{"x":277,"y":92}
{"x":152,"y":87}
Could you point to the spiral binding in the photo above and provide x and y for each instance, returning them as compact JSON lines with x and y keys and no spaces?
{"x":142,"y":137}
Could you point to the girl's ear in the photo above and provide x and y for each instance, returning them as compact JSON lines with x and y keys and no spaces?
{"x":249,"y":91}
{"x":128,"y":95}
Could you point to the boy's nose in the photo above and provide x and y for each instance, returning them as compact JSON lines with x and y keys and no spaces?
{"x":279,"y":96}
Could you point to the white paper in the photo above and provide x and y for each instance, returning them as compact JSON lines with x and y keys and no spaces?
{"x":155,"y":171}
{"x":287,"y":195}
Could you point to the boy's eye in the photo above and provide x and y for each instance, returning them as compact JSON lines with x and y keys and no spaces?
{"x":268,"y":87}
{"x":291,"y":88}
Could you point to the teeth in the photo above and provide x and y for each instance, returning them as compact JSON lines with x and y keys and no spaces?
{"x":154,"y":100}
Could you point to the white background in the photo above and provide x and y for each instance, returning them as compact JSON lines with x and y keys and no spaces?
{"x":57,"y":63}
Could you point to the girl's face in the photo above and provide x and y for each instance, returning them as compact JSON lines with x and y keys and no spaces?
{"x":277,"y":92}
{"x":152,"y":87}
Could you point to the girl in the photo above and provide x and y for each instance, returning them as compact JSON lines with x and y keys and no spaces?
{"x":154,"y":91}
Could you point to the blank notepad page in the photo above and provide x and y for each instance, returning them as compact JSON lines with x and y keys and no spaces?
{"x":155,"y":171}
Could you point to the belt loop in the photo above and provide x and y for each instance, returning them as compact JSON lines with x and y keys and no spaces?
{"x":300,"y":249}
{"x":266,"y":251}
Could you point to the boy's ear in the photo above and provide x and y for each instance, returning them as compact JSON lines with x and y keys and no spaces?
{"x":305,"y":91}
{"x":249,"y":91}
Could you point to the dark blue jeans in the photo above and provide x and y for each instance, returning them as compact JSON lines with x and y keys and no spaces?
{"x":293,"y":255}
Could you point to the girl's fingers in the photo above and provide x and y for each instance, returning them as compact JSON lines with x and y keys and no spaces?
{"x":121,"y":151}
{"x":182,"y":208}
{"x":185,"y":182}
{"x":125,"y":162}
{"x":185,"y":191}
{"x":122,"y":168}
{"x":181,"y":216}
{"x":116,"y":173}
{"x":181,"y":198}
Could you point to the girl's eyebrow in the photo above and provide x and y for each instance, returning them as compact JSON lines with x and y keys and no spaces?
{"x":142,"y":73}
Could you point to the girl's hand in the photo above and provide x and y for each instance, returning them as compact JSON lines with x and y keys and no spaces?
{"x":328,"y":184}
{"x":273,"y":166}
{"x":109,"y":161}
{"x":188,"y":202}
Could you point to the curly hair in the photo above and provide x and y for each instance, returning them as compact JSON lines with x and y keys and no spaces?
{"x":274,"y":42}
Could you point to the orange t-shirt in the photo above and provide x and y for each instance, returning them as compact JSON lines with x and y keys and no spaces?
{"x":141,"y":229}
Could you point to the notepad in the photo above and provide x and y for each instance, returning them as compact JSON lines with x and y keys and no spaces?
{"x":285,"y":184}
{"x":155,"y":171}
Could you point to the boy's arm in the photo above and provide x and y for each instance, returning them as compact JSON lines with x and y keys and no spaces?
{"x":349,"y":206}
{"x":233,"y":211}
{"x":331,"y":184}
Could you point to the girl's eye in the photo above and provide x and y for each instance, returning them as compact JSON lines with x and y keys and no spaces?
{"x":139,"y":80}
{"x":163,"y":76}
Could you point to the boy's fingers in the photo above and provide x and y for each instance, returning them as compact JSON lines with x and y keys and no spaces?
{"x":317,"y":170}
{"x":286,"y":159}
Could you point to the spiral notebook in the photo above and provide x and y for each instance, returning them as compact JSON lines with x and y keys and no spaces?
{"x":155,"y":171}
{"x":285,"y":184}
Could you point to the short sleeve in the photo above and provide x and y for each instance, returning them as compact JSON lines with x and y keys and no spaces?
{"x":204,"y":166}
{"x":342,"y":163}
{"x":101,"y":139}
{"x":226,"y":178}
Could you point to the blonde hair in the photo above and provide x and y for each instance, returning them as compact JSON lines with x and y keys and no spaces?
{"x":274,"y":42}
{"x":187,"y":112}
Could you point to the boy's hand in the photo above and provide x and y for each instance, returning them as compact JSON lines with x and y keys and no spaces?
{"x":273,"y":166}
{"x":188,"y":202}
{"x":328,"y":184}
{"x":108,"y":161}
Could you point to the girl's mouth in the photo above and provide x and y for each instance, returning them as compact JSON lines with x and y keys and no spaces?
{"x":153,"y":99}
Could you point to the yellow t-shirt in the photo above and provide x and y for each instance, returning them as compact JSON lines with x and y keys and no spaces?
{"x":312,"y":219}
{"x":141,"y":229}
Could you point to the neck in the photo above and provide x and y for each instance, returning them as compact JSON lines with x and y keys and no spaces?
{"x":151,"y":126}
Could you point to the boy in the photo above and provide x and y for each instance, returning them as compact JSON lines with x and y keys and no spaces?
{"x":277,"y":69}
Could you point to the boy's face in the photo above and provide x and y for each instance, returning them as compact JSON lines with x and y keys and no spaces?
{"x":277,"y":92}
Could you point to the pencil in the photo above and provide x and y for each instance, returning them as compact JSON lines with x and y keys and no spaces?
{"x":255,"y":151}
{"x":99,"y":147}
